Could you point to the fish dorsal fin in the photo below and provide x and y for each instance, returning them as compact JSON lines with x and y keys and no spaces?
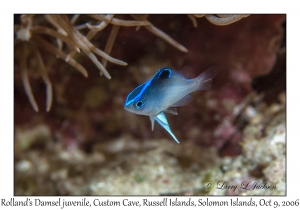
{"x":186,"y":72}
{"x":184,"y":101}
{"x":162,"y":120}
{"x":163,"y":73}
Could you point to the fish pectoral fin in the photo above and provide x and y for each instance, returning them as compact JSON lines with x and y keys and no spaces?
{"x":152,"y":122}
{"x":162,"y":120}
{"x":184,"y":101}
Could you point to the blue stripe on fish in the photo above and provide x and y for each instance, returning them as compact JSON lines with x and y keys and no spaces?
{"x":163,"y":73}
{"x":140,"y":93}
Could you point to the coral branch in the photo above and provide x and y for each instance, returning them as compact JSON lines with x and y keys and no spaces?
{"x":60,"y":54}
{"x":43,"y":71}
{"x":26,"y":21}
{"x":102,"y":24}
{"x":162,"y":35}
{"x":223,"y":15}
{"x":74,"y":18}
{"x":199,"y":16}
{"x":62,"y":22}
{"x":143,"y":17}
{"x":26,"y":84}
{"x":193,"y":19}
{"x":119,"y":22}
{"x":89,"y":36}
{"x":81,"y":26}
{"x":110,"y":42}
{"x":225,"y":19}
{"x":90,"y":46}
{"x":51,"y":32}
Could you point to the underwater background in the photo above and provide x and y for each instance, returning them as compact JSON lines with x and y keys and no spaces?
{"x":87,"y":144}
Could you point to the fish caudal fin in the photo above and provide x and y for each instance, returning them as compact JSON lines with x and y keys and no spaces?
{"x":162,"y":120}
{"x":204,"y":80}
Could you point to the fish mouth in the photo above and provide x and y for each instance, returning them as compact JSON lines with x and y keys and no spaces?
{"x":127,"y":108}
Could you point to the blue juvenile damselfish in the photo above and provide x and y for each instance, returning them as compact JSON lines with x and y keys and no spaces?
{"x":165,"y":91}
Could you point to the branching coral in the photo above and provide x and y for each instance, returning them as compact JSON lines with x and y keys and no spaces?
{"x":219,"y":20}
{"x":29,"y":37}
{"x":62,"y":22}
{"x":161,"y":34}
{"x":223,"y":20}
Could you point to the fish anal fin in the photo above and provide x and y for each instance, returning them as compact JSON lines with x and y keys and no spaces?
{"x":187,"y":72}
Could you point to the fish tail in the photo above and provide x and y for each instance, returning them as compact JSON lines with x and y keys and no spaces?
{"x":204,"y":80}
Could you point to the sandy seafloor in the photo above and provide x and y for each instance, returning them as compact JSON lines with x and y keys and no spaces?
{"x":126,"y":166}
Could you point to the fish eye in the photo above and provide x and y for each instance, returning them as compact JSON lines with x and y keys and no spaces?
{"x":139,"y":104}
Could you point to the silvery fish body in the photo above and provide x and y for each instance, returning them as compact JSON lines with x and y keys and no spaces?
{"x":165,"y":91}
